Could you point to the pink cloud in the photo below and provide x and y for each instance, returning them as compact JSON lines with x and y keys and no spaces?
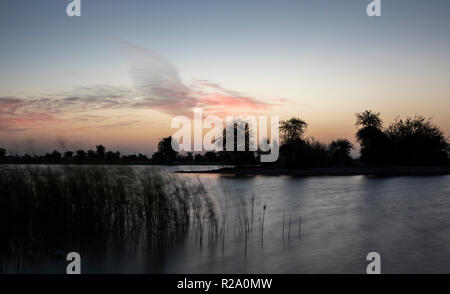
{"x":157,"y":86}
{"x":30,"y":119}
{"x":158,"y":81}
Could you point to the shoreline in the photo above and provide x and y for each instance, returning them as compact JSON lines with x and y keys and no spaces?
{"x":330,"y":171}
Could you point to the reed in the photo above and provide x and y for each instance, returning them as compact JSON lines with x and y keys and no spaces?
{"x":43,"y":209}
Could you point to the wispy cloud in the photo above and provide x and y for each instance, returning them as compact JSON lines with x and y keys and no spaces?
{"x":158,"y":81}
{"x":157,"y":86}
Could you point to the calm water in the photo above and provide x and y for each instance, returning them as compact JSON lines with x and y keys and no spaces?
{"x":405,"y":219}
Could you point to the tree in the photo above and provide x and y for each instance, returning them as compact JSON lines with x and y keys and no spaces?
{"x":238,"y":157}
{"x":111,"y":156}
{"x":292,"y":130}
{"x":132,"y":158}
{"x":100,"y":151}
{"x":53,"y":157}
{"x":418,"y":141}
{"x":80,"y":155}
{"x":165,"y":153}
{"x":142,"y":157}
{"x":369,"y":119}
{"x":295,"y":150}
{"x":2,"y":153}
{"x":339,"y":151}
{"x":375,"y":145}
{"x":91,"y":155}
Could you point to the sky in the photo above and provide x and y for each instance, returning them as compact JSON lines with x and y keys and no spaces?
{"x":118,"y":74}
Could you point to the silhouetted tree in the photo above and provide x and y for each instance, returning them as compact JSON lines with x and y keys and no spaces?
{"x":238,"y":157}
{"x":315,"y":153}
{"x":91,"y":155}
{"x":100,"y":151}
{"x":80,"y":155}
{"x":292,"y":130}
{"x":368,"y":118}
{"x":375,"y":145}
{"x":339,"y":151}
{"x":68,"y":155}
{"x":111,"y":156}
{"x":165,"y":153}
{"x":142,"y":157}
{"x":2,"y":154}
{"x":295,"y":151}
{"x":53,"y":157}
{"x":129,"y":159}
{"x":417,"y":141}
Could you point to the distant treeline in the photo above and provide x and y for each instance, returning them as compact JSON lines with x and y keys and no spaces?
{"x":410,"y":141}
{"x":98,"y":156}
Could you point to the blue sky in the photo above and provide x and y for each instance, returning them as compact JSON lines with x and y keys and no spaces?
{"x":327,"y":58}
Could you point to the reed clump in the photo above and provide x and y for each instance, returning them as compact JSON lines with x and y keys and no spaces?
{"x":68,"y":207}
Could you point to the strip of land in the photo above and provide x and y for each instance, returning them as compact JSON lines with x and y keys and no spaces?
{"x":331,"y":171}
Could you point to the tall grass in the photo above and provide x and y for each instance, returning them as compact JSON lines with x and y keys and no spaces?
{"x":50,"y":211}
{"x":43,"y":209}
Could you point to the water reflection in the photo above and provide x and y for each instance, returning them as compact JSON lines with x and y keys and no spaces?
{"x":343,"y":218}
{"x":330,"y":224}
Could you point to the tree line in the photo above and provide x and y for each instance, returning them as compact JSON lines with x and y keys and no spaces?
{"x":98,"y":156}
{"x":411,"y":141}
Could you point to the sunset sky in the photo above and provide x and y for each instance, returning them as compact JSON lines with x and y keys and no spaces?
{"x":117,"y":74}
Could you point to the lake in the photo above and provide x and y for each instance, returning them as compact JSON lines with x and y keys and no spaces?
{"x":309,"y":225}
{"x":405,"y":219}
